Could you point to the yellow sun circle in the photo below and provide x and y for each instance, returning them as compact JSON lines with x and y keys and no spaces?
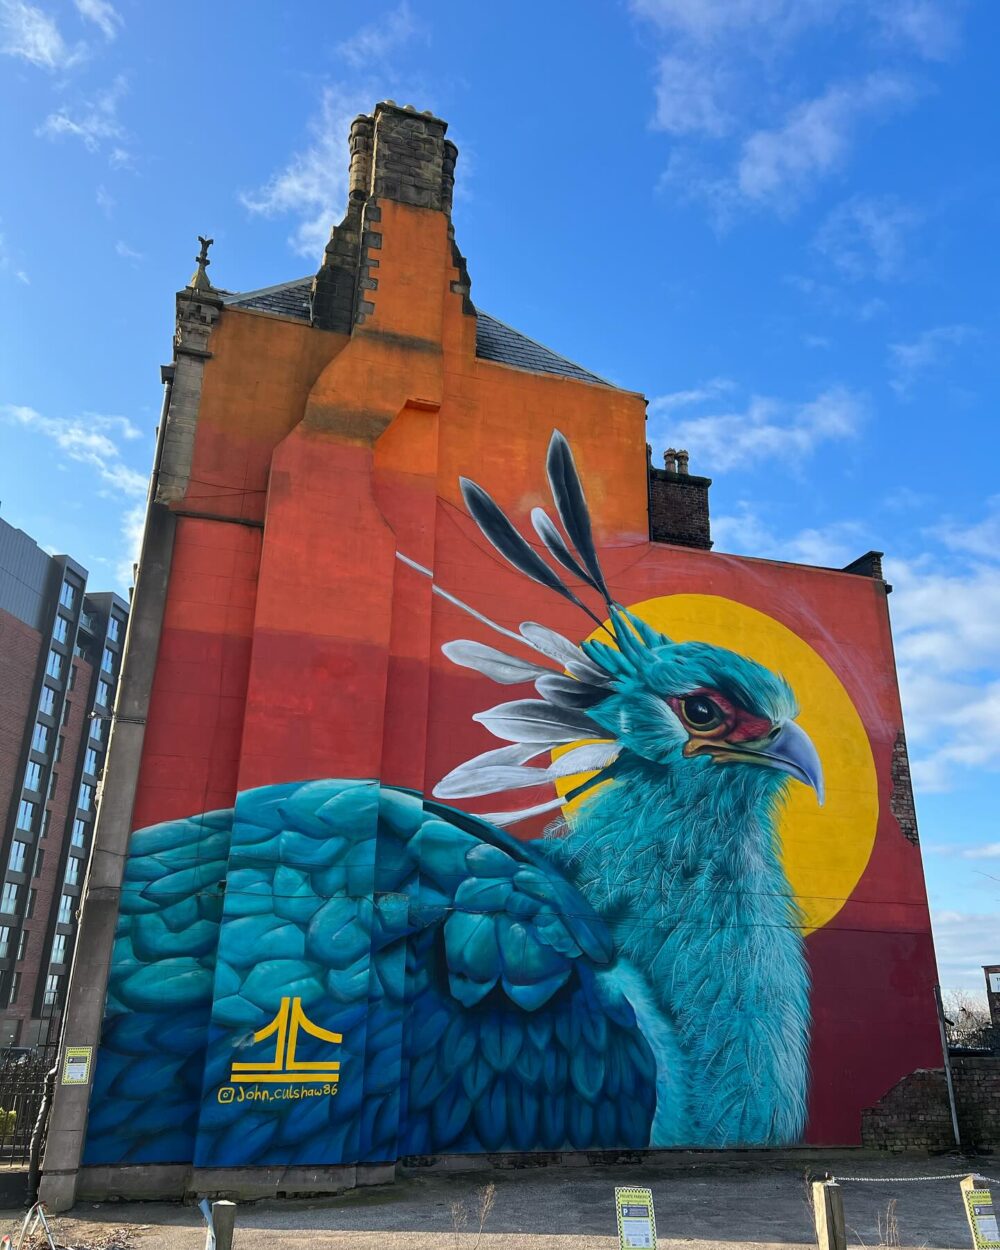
{"x":824,"y":849}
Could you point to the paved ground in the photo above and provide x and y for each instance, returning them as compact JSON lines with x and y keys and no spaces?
{"x":701,"y":1207}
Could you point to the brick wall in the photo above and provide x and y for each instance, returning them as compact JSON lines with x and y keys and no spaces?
{"x":914,"y":1114}
{"x":678,"y":509}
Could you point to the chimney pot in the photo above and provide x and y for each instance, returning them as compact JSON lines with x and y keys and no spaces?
{"x":682,"y":462}
{"x":670,"y":460}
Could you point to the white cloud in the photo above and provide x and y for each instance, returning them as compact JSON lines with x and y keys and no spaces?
{"x":981,"y":538}
{"x":711,"y":389}
{"x":944,"y":615}
{"x":908,"y":361}
{"x":375,"y":42}
{"x":690,"y":95}
{"x":95,"y":122}
{"x":765,"y":430}
{"x":31,"y":34}
{"x":990,"y":851}
{"x":964,"y":942}
{"x":929,"y":28}
{"x":133,"y":523}
{"x":745,"y":532}
{"x":866,"y":236}
{"x":313,"y":185}
{"x":779,"y":166}
{"x":734,"y":70}
{"x":89,"y":440}
{"x":105,"y":201}
{"x":126,"y":252}
{"x":707,"y":21}
{"x":8,"y":266}
{"x":102,"y":13}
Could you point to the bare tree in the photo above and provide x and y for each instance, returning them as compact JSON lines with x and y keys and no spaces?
{"x":967,"y":1018}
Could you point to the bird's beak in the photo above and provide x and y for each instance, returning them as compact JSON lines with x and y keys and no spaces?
{"x":787,"y":748}
{"x":791,"y":751}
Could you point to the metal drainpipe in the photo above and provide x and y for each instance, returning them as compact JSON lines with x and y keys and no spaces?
{"x":947,"y":1066}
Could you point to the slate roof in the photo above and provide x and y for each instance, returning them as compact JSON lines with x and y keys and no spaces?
{"x":494,"y":340}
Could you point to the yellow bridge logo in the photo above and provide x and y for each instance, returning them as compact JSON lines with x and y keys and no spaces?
{"x":284,"y":1067}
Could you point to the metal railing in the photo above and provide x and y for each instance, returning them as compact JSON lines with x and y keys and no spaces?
{"x":22,"y":1087}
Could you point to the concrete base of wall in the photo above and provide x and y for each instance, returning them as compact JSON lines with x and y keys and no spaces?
{"x":176,"y":1182}
{"x":179,"y":1182}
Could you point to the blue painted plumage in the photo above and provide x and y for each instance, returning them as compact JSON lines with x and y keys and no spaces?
{"x":635,"y":978}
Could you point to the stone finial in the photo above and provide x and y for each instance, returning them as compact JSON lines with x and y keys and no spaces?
{"x":200,"y":280}
{"x":361,"y":157}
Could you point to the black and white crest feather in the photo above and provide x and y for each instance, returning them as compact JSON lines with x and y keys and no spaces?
{"x":573,"y":681}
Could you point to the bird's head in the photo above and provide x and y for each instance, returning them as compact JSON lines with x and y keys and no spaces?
{"x":693,"y":705}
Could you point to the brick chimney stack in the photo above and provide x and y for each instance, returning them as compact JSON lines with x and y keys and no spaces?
{"x":678,"y":503}
{"x":396,"y":154}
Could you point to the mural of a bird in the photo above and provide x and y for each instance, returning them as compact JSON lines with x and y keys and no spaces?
{"x":635,"y":978}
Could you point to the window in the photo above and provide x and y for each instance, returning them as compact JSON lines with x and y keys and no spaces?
{"x":22,"y":944}
{"x":54,"y":666}
{"x":108,"y":661}
{"x":29,"y":910}
{"x":51,"y":989}
{"x":40,"y":739}
{"x":58,"y":955}
{"x":90,"y":762}
{"x":114,"y":628}
{"x":33,"y":776}
{"x":79,"y":833}
{"x":72,"y":871}
{"x":15,"y":985}
{"x":65,"y":914}
{"x":104,"y":693}
{"x":26,"y":815}
{"x":60,"y":631}
{"x":8,"y":900}
{"x":57,"y":758}
{"x":4,"y":942}
{"x":16,"y":861}
{"x":72,"y":676}
{"x":67,"y":596}
{"x":46,"y":821}
{"x":47,"y":703}
{"x":52,"y":786}
{"x":86,"y":799}
{"x":97,"y":728}
{"x":36,"y":868}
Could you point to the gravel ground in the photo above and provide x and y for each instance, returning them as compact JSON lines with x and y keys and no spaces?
{"x":718,"y":1206}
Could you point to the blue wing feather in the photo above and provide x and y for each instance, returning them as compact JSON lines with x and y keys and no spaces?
{"x":457,"y":964}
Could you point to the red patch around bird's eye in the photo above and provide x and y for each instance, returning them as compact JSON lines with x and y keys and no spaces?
{"x":748,"y":728}
{"x":708,"y":713}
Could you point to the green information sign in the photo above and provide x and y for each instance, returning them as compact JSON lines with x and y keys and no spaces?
{"x":982,"y":1215}
{"x":636,"y":1221}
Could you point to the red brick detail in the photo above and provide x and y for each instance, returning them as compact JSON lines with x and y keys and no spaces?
{"x":914,"y":1114}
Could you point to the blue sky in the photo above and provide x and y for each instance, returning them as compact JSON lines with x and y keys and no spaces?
{"x":776,"y":218}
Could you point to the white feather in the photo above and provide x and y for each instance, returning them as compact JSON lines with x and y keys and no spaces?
{"x":533,"y":720}
{"x":511,"y":818}
{"x":508,"y":670}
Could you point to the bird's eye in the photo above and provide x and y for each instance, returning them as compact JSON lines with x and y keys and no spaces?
{"x":701,"y":712}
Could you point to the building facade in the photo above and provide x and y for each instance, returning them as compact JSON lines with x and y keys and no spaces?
{"x":60,"y":658}
{"x":460,"y":798}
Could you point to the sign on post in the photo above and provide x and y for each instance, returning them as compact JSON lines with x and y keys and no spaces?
{"x":636,"y":1221}
{"x":982,"y":1215}
{"x":76,"y":1065}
